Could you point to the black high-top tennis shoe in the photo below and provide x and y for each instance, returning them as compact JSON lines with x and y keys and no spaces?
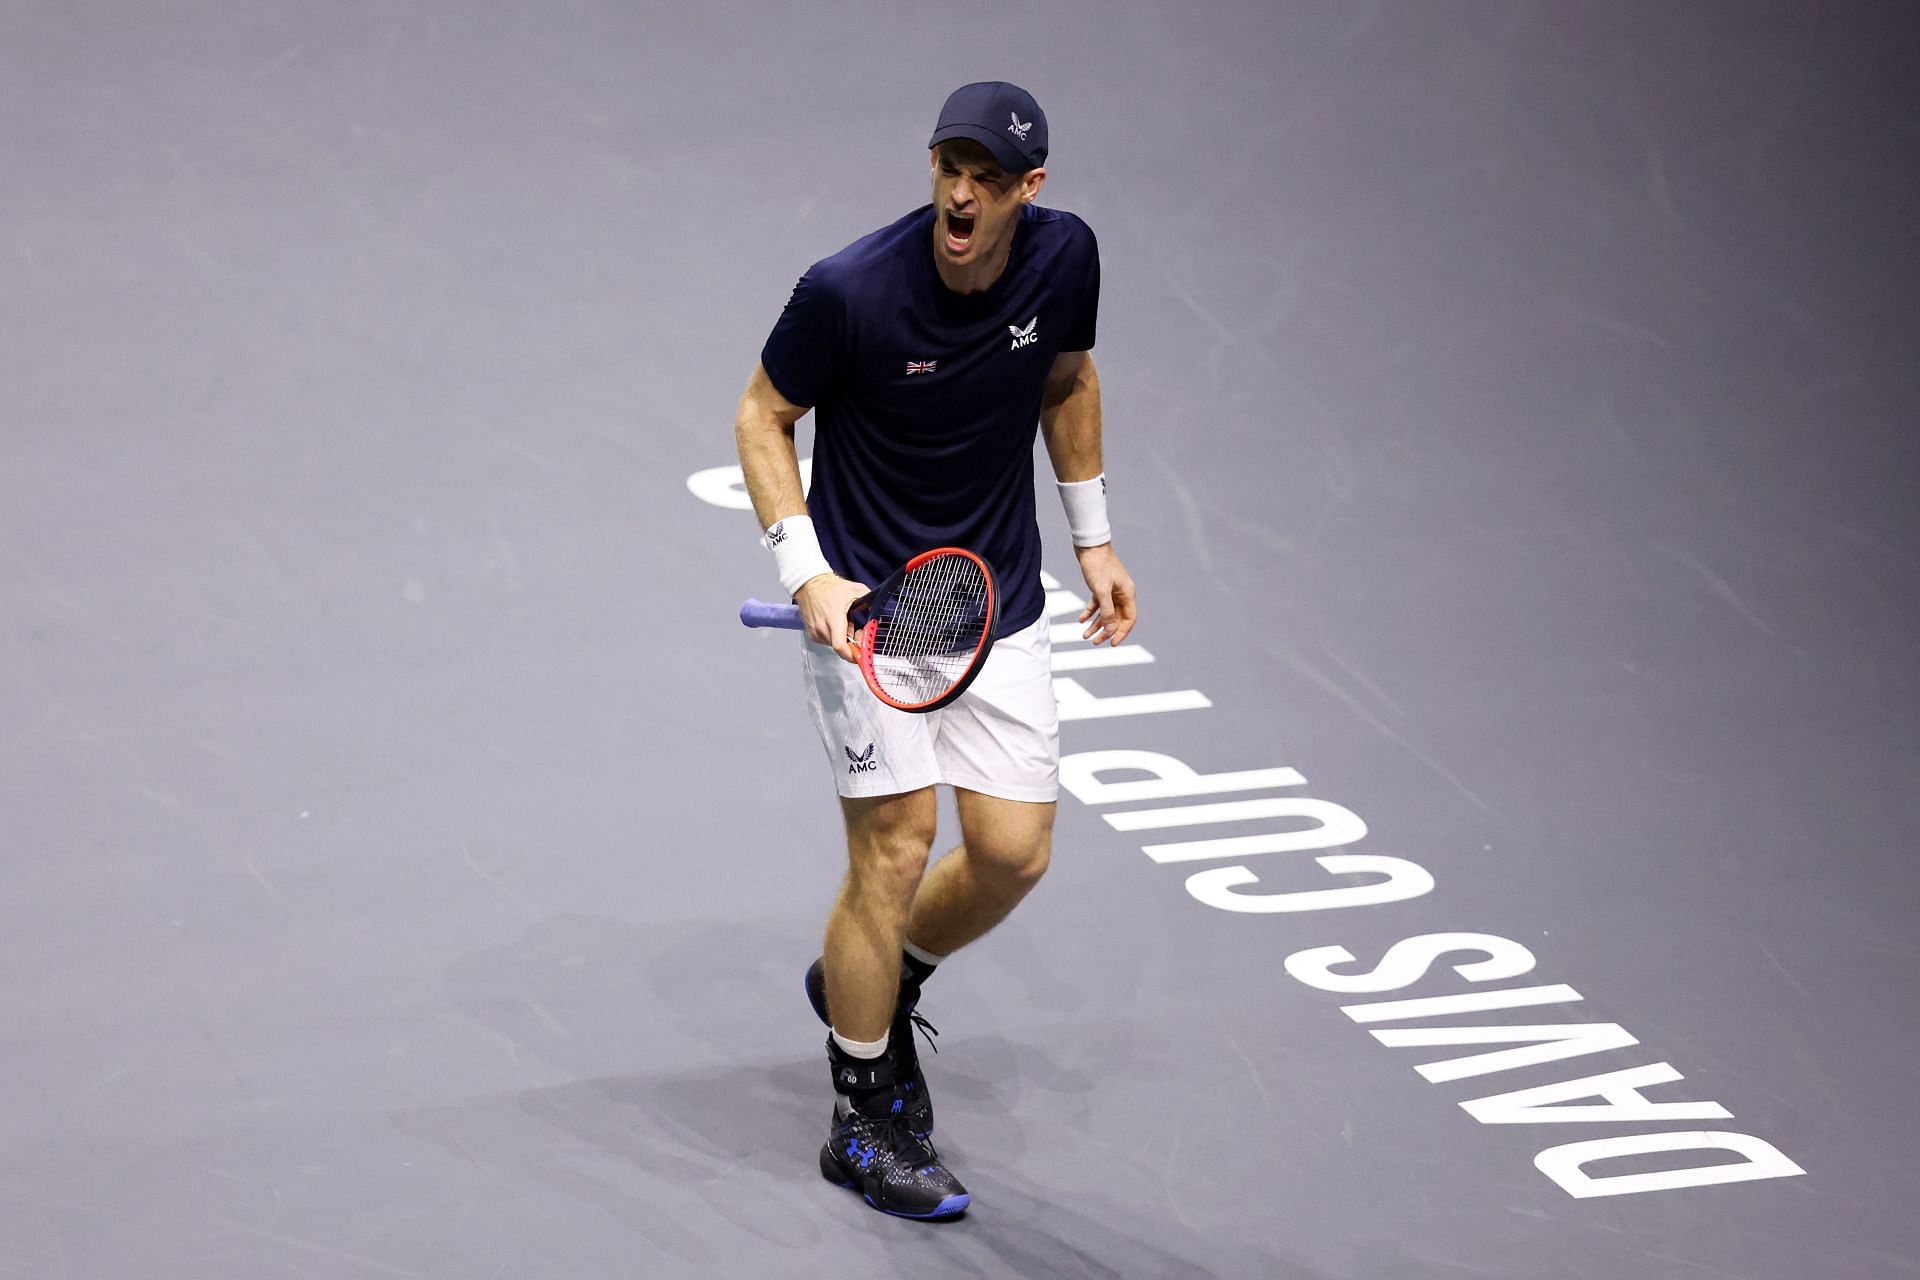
{"x":871,"y":1149}
{"x":918,"y":1108}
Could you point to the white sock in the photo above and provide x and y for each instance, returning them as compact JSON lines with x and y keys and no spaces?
{"x":868,"y":1049}
{"x":920,"y":953}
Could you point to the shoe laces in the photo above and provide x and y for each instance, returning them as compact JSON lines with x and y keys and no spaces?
{"x":908,"y":1051}
{"x":913,"y":1151}
{"x":891,"y":1132}
{"x":926,"y":1028}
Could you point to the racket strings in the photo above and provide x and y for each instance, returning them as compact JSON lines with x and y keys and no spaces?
{"x":930,"y":631}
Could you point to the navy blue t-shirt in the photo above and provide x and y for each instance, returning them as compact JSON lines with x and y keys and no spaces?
{"x":926,"y":401}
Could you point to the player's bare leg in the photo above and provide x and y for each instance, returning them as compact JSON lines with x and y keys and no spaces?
{"x":888,"y":839}
{"x":1004,"y":850}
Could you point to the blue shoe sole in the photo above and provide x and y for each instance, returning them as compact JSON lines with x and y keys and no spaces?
{"x":951,"y":1207}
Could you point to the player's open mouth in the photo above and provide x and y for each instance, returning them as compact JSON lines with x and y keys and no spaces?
{"x":959,"y":232}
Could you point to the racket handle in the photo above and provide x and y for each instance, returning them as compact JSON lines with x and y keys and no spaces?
{"x":763,"y":613}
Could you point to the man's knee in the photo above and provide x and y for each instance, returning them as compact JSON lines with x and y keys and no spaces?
{"x":888,"y":842}
{"x":1007,"y":841}
{"x":1015,"y":862}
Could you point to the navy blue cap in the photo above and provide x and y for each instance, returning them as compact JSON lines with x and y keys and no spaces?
{"x":1002,"y":117}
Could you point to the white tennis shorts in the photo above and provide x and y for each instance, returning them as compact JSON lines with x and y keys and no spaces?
{"x":1001,"y":737}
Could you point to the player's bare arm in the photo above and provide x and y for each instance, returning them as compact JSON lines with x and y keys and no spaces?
{"x":763,"y":437}
{"x":1070,"y":424}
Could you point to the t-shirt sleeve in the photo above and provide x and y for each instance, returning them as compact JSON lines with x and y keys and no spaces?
{"x":1080,"y":332}
{"x":803,"y":355}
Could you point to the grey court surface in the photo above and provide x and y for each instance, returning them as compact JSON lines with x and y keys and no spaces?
{"x":409,"y":865}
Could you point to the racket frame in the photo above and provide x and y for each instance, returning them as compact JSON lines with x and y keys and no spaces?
{"x":871,"y":628}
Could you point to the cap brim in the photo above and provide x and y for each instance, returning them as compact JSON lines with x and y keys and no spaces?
{"x":1011,"y":158}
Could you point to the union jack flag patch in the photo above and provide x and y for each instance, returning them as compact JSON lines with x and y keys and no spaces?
{"x":921,"y":366}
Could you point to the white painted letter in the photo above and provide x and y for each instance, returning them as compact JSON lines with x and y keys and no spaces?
{"x":1334,"y":825}
{"x":1621,"y":1089}
{"x":1059,"y":602}
{"x":1565,"y":1164}
{"x":1324,"y":813}
{"x":1080,"y":775}
{"x":1088,"y":658}
{"x":1078,"y":703}
{"x":1546,"y":1043}
{"x":1402,"y":880}
{"x":1465,"y":1002}
{"x":727,"y":486}
{"x":1408,"y":960}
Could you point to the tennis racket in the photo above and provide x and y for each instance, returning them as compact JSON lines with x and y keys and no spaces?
{"x":924,"y":633}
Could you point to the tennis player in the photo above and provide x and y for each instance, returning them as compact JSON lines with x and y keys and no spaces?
{"x":929,"y":351}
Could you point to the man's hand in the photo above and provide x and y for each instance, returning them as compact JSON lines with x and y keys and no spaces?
{"x":1115,"y":607}
{"x":823,"y":605}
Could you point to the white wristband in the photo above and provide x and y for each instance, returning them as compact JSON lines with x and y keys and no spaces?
{"x":796,"y":552}
{"x":1086,"y":504}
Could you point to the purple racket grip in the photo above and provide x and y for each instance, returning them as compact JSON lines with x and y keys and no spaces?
{"x":764,"y":613}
